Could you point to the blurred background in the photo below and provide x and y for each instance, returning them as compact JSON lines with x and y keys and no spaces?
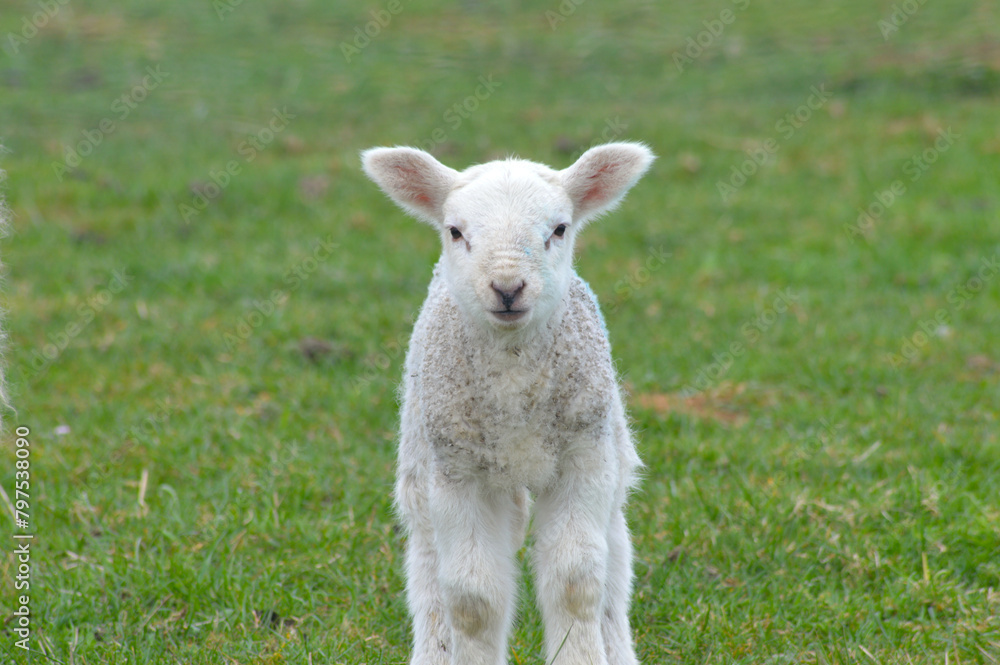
{"x":208,"y":306}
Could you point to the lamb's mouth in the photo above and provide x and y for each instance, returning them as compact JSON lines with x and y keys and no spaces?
{"x":510,"y":315}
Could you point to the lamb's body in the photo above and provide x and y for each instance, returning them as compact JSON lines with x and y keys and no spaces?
{"x":510,"y":392}
{"x":509,"y":415}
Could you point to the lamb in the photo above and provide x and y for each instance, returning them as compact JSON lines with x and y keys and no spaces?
{"x":510,"y":393}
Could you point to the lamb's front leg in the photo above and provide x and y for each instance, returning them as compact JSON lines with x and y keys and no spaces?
{"x":571,"y":562}
{"x":475,"y":533}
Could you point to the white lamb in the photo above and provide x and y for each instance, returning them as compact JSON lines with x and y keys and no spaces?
{"x":510,"y":389}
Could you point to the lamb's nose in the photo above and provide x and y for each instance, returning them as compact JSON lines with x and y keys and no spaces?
{"x":508,"y":293}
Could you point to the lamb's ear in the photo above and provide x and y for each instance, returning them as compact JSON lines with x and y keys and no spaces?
{"x":412,"y":178}
{"x":599,"y":180}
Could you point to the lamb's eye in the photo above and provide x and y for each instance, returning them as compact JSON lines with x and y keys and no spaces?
{"x":560,"y":231}
{"x":455,"y":233}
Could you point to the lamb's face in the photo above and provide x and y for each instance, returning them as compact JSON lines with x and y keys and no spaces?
{"x":507,"y":241}
{"x":508,"y":226}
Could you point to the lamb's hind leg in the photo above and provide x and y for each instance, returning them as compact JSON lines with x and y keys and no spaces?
{"x":614,"y":623}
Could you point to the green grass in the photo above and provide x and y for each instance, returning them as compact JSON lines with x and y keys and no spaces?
{"x":204,"y":491}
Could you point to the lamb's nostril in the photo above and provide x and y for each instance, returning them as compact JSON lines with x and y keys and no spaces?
{"x":508,"y":293}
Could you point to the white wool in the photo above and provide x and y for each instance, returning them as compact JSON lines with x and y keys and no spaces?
{"x":509,"y":388}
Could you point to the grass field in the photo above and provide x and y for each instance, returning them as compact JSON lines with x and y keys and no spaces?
{"x":208,"y":306}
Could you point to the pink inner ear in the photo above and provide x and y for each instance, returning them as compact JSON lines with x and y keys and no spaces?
{"x":597,"y":190}
{"x":593,"y":194}
{"x":414,"y":182}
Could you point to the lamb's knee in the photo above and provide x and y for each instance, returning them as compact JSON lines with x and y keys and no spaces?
{"x":583,"y":596}
{"x":471,"y":613}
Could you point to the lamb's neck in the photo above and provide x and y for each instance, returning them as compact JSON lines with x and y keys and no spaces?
{"x":519,"y":345}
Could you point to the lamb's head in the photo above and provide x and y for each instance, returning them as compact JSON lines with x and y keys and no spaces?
{"x":508,"y":227}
